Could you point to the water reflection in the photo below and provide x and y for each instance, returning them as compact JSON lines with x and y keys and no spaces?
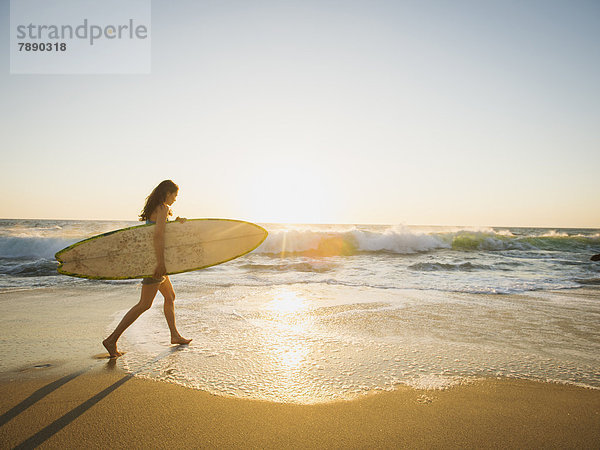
{"x":286,"y":303}
{"x":288,"y":344}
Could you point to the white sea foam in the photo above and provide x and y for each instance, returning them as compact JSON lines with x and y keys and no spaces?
{"x":390,"y":240}
{"x":554,"y":233}
{"x":434,"y":381}
{"x":301,"y":345}
{"x":397,"y":241}
{"x":403,"y":240}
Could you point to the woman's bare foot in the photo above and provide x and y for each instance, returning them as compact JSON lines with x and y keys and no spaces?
{"x":180,"y":340}
{"x":111,"y":347}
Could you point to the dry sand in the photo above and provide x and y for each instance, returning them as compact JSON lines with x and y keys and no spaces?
{"x":105,"y":408}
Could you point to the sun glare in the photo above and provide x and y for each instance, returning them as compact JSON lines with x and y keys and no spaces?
{"x":288,"y":342}
{"x":287,"y":302}
{"x":294,"y":193}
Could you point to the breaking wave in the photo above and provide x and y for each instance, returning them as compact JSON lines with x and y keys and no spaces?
{"x":404,"y":241}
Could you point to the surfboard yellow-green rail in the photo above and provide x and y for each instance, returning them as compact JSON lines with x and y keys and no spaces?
{"x":129,"y":252}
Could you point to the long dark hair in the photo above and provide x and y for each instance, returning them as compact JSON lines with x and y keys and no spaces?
{"x":158,"y":197}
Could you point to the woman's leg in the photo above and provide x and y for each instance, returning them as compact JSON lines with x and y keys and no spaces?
{"x":166,"y":289}
{"x":146,"y":298}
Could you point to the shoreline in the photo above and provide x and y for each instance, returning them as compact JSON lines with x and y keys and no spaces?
{"x":107,"y":406}
{"x":56,"y":331}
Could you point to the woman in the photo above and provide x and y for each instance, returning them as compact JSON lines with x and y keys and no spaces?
{"x":155,"y":211}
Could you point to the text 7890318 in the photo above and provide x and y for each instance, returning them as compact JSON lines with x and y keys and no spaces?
{"x":42,"y":47}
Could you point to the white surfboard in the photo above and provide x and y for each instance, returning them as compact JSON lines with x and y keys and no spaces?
{"x":129,"y":253}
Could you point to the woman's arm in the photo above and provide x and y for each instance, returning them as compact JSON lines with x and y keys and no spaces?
{"x":159,"y":240}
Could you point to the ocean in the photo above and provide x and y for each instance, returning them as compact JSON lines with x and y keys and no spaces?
{"x":326,"y":312}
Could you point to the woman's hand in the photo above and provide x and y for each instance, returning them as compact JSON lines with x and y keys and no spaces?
{"x":160,"y":270}
{"x":181,"y":219}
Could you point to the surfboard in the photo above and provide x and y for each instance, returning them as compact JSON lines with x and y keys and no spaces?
{"x":129,"y":252}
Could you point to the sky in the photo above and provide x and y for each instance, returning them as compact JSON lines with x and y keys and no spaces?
{"x":480,"y":113}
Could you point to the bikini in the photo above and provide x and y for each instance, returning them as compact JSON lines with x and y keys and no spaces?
{"x":152,"y":280}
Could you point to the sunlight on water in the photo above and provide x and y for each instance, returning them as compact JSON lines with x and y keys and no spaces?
{"x":288,"y":353}
{"x":284,"y":339}
{"x":302,"y":345}
{"x":286,"y":303}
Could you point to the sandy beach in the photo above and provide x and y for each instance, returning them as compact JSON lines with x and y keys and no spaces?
{"x":105,"y":407}
{"x":57,"y":391}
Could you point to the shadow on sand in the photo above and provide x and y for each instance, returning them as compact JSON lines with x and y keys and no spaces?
{"x":48,"y":431}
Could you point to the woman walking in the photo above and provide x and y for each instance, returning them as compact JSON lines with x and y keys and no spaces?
{"x":156,"y":210}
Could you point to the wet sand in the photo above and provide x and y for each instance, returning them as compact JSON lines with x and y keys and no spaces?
{"x":71,"y":400}
{"x":105,"y":407}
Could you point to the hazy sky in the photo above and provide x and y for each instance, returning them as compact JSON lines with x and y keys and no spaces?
{"x":416,"y":112}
